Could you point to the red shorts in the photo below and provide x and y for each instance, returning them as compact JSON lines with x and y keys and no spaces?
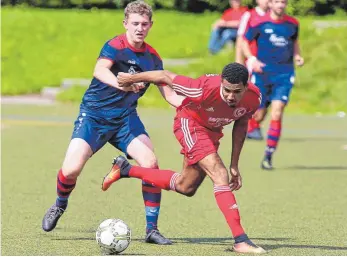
{"x":197,"y":141}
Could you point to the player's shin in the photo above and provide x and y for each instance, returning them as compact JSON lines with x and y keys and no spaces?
{"x":151,"y":197}
{"x":273,"y":136}
{"x":227,"y":204}
{"x":252,"y":125}
{"x":64,"y":189}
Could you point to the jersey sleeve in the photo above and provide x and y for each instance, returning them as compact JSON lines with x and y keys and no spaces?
{"x":252,"y":33}
{"x":192,"y":88}
{"x":296,"y":33}
{"x":244,"y":23}
{"x":108,"y":52}
{"x":254,"y":100}
{"x":158,"y":64}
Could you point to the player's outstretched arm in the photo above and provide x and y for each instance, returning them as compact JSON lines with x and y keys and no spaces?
{"x":171,"y":96}
{"x":103,"y":73}
{"x":157,"y":77}
{"x":239,"y":135}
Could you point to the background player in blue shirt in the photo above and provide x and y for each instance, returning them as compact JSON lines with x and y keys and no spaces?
{"x":108,"y":114}
{"x":276,"y":35}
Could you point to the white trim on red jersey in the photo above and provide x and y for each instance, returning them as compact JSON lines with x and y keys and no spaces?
{"x":191,"y":92}
{"x":245,"y":20}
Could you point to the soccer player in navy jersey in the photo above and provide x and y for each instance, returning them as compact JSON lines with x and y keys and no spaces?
{"x":212,"y":102}
{"x":276,"y":35}
{"x":108,"y":114}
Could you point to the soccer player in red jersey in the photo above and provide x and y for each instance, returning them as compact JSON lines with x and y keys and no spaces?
{"x":212,"y":101}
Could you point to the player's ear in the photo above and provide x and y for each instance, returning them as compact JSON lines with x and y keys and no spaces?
{"x":125,"y":23}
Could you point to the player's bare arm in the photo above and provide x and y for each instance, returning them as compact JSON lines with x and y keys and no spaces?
{"x":103,"y":73}
{"x":238,"y":50}
{"x":299,"y":60}
{"x":239,"y":135}
{"x":171,"y":96}
{"x":157,"y":77}
{"x":253,"y":61}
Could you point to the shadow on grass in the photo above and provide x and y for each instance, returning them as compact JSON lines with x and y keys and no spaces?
{"x":315,"y":139}
{"x":228,"y":241}
{"x":303,"y":167}
{"x":321,"y":247}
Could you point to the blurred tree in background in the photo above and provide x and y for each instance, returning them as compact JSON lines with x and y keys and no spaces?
{"x":295,"y":7}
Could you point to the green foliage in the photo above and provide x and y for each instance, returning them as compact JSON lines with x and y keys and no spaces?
{"x":46,"y":48}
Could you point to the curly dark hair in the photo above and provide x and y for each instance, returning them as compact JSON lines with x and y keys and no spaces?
{"x":235,"y":73}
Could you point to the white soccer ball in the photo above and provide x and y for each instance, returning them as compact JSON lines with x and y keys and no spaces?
{"x":113,"y":236}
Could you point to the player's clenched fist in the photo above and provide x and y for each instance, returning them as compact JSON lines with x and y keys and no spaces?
{"x":299,"y":60}
{"x":236,"y":180}
{"x":124,"y":80}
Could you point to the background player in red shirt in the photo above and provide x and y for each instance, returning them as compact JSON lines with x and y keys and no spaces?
{"x":212,"y":102}
{"x":248,"y":17}
{"x":225,"y":28}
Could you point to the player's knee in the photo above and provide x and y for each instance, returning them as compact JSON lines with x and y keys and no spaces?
{"x":150,"y":162}
{"x":188,"y":191}
{"x":183,"y":188}
{"x":276,"y":114}
{"x":72,"y":169}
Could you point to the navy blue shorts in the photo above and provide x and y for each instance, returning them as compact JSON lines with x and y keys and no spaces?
{"x":97,"y":131}
{"x":273,"y":86}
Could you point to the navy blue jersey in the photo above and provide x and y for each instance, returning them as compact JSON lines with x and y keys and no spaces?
{"x":112,"y":103}
{"x":275,"y":40}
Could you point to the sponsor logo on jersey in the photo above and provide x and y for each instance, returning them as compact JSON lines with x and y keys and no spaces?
{"x":278,"y":40}
{"x":219,"y":122}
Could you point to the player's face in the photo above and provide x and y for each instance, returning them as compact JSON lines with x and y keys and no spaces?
{"x":235,"y":3}
{"x":263,"y":4}
{"x":232,"y":93}
{"x":137,"y":27}
{"x":278,"y":6}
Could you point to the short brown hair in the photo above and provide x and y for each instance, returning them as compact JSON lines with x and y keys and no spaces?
{"x":139,"y":7}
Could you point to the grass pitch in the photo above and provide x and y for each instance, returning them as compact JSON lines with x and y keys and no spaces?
{"x":298,"y":209}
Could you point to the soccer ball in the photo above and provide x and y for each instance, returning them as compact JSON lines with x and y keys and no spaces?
{"x":113,"y":236}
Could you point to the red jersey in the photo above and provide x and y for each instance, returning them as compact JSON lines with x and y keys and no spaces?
{"x":253,"y":15}
{"x":206,"y":105}
{"x":233,"y":14}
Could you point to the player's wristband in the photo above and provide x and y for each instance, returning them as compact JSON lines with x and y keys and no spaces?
{"x":251,"y":60}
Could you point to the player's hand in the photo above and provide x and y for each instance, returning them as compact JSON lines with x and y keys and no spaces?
{"x":236,"y":179}
{"x":124,"y":79}
{"x":218,"y":24}
{"x":299,"y":60}
{"x":255,"y":64}
{"x":136,"y":87}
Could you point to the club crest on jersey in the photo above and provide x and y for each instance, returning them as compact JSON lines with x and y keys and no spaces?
{"x":240,"y":112}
